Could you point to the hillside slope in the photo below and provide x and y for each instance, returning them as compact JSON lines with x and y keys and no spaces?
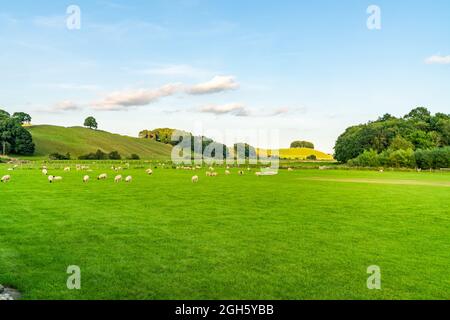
{"x":79,"y":141}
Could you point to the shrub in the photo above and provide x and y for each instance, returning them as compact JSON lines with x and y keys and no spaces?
{"x":114,"y":155}
{"x":436,"y":158}
{"x":368,"y":158}
{"x":311,"y":157}
{"x":58,"y":156}
{"x":401,"y":159}
{"x":99,"y":155}
{"x":134,"y":157}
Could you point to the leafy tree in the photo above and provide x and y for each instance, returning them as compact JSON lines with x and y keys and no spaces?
{"x":302,"y":144}
{"x":91,"y":123}
{"x":14,"y":139}
{"x":22,"y":117}
{"x":4,"y":115}
{"x":400,"y":143}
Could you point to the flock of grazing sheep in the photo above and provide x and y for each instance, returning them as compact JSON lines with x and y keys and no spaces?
{"x":119,"y":178}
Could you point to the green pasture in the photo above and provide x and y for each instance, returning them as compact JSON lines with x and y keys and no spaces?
{"x":306,"y":234}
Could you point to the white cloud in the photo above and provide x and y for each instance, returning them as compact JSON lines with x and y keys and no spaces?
{"x":217,"y":84}
{"x":236,"y":109}
{"x":120,"y":100}
{"x":438,"y":59}
{"x":66,"y":106}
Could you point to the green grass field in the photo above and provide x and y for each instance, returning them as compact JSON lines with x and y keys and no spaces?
{"x":307,"y":234}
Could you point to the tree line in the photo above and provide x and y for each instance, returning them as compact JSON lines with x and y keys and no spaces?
{"x":418,"y":139}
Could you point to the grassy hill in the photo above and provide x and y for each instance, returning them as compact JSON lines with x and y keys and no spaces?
{"x":302,"y":154}
{"x":79,"y":141}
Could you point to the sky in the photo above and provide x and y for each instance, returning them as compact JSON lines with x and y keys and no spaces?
{"x":288,"y":70}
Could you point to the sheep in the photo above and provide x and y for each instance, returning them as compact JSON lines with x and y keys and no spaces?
{"x":249,"y":169}
{"x":44,"y":168}
{"x":6,"y":178}
{"x":290,"y":169}
{"x":208,"y":174}
{"x":86,"y":179}
{"x":67,"y":169}
{"x":381,"y":171}
{"x":258,"y":174}
{"x":103,"y":176}
{"x":57,"y":179}
{"x":211,"y":169}
{"x":118,"y":178}
{"x":214,"y":174}
{"x":44,"y":172}
{"x":51,"y":178}
{"x":128,"y":179}
{"x":227,"y":172}
{"x":194,"y":179}
{"x":10,"y":169}
{"x":241,"y":173}
{"x":149,"y":172}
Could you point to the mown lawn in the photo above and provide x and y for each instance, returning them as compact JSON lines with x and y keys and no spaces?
{"x":300,"y":235}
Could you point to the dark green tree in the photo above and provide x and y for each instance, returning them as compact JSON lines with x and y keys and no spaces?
{"x":22,"y":117}
{"x":302,"y":144}
{"x":91,"y":123}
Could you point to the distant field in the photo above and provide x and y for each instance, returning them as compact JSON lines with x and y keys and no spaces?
{"x":80,"y":141}
{"x":307,"y":234}
{"x":300,"y":154}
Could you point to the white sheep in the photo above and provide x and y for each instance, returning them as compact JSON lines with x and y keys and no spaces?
{"x":6,"y":178}
{"x":67,"y":169}
{"x":128,"y":179}
{"x":194,"y":179}
{"x":118,"y":178}
{"x":227,"y":172}
{"x":103,"y":176}
{"x":44,"y":172}
{"x":51,"y":178}
{"x":290,"y":169}
{"x":57,"y":178}
{"x":241,"y":173}
{"x":86,"y":179}
{"x":149,"y":172}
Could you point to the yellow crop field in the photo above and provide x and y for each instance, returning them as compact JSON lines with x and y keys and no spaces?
{"x":298,"y":154}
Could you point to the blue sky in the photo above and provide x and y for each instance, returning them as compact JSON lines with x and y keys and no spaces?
{"x":306,"y":69}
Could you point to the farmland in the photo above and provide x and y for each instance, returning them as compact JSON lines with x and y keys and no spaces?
{"x":306,"y":234}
